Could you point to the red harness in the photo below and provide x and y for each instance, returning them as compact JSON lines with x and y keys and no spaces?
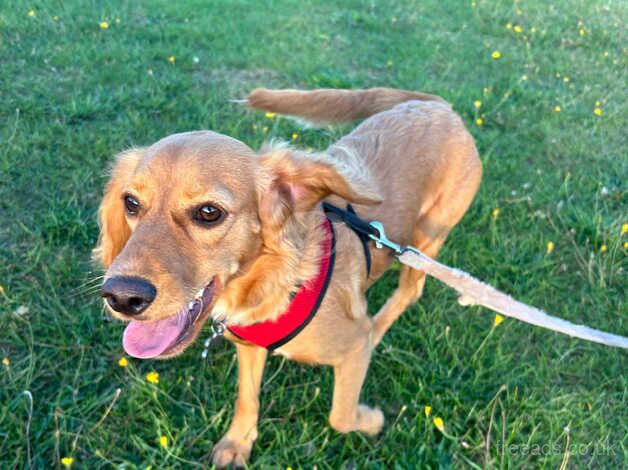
{"x":302,"y":308}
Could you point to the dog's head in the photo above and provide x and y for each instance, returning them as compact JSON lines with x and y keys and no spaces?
{"x":198,"y":225}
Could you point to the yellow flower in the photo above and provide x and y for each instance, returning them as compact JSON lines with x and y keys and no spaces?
{"x":288,"y":468}
{"x":605,"y":53}
{"x":485,"y":90}
{"x":565,"y":79}
{"x":479,"y":121}
{"x":152,"y":377}
{"x":31,"y":13}
{"x":265,"y":129}
{"x":495,"y":213}
{"x":6,"y":361}
{"x":1,"y":290}
{"x":498,"y":319}
{"x":163,"y":441}
{"x":524,"y":77}
{"x":477,"y":103}
{"x":295,"y":136}
{"x":496,"y":55}
{"x":427,"y":410}
{"x":557,"y":109}
{"x":533,"y":29}
{"x":626,"y":245}
{"x":597,"y":111}
{"x":582,"y":31}
{"x":550,"y":247}
{"x":270,"y":115}
{"x":123,"y":362}
{"x":597,"y":103}
{"x":624,"y":229}
{"x":438,"y":422}
{"x":517,"y":29}
{"x":603,"y":248}
{"x":171,"y":59}
{"x":67,"y":462}
{"x":509,"y":25}
{"x":104,"y":24}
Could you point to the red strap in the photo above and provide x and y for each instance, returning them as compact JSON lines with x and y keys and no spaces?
{"x":273,"y":334}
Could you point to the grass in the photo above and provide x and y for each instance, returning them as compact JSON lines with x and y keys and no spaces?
{"x":74,"y":94}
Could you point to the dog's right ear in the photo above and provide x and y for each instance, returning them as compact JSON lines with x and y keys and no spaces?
{"x":114,"y":230}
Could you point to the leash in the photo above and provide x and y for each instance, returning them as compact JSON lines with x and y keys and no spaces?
{"x":475,"y":292}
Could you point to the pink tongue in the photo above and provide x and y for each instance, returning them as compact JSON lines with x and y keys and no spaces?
{"x":149,"y":339}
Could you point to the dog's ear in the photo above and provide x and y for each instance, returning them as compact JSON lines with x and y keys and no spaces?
{"x":114,"y":230}
{"x":299,"y":181}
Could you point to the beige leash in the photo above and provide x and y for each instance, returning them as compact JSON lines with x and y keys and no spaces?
{"x":474,"y":292}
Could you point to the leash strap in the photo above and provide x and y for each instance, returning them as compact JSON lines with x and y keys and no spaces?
{"x":361,"y":227}
{"x":475,"y":292}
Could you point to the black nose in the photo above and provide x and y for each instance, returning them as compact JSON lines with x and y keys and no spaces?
{"x":128,"y":295}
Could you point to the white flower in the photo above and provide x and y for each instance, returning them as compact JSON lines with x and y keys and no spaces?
{"x":21,"y":310}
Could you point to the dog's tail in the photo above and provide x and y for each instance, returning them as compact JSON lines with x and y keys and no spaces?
{"x":329,"y":106}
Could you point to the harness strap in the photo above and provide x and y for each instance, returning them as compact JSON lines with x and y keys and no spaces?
{"x":303,"y":305}
{"x":360,"y":227}
{"x":305,"y":302}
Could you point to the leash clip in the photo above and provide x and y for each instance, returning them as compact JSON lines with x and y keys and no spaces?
{"x":218,"y":330}
{"x":381,"y":240}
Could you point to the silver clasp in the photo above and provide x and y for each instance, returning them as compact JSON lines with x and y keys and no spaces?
{"x":381,"y":240}
{"x":218,"y":329}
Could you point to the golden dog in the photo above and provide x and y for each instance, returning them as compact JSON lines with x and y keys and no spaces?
{"x":199,"y":226}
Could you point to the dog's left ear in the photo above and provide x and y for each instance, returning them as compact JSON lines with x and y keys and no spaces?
{"x":299,"y":181}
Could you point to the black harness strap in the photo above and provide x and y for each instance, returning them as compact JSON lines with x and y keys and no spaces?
{"x":361,"y":227}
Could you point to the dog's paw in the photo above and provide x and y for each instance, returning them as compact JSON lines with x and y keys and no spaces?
{"x":370,"y":420}
{"x":231,"y":452}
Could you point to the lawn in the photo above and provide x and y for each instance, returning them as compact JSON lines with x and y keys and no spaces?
{"x":542,"y":87}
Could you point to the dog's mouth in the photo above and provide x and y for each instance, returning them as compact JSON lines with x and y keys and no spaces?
{"x":171,"y":335}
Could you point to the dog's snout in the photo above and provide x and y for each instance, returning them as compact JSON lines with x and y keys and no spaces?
{"x":128,"y":295}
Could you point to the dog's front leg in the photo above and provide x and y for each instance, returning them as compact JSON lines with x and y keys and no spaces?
{"x":235,"y":446}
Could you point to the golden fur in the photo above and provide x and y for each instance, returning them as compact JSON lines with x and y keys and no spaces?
{"x":411,"y":165}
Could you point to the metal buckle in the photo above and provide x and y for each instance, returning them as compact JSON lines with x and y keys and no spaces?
{"x":381,"y":240}
{"x":218,"y":329}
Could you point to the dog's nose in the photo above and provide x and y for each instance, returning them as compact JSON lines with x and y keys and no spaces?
{"x":128,"y":295}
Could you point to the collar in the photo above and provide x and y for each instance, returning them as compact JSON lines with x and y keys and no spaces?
{"x":302,"y":308}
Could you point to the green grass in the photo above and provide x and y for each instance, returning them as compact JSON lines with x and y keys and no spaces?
{"x":74,"y":94}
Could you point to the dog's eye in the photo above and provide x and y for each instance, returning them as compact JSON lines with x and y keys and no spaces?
{"x":208,"y":214}
{"x":131,"y":205}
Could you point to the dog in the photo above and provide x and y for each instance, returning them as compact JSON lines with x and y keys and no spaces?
{"x":198,"y":226}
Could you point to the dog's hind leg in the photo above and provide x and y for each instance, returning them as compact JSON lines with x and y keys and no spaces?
{"x":409,"y":290}
{"x":430,"y":232}
{"x":347,"y":414}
